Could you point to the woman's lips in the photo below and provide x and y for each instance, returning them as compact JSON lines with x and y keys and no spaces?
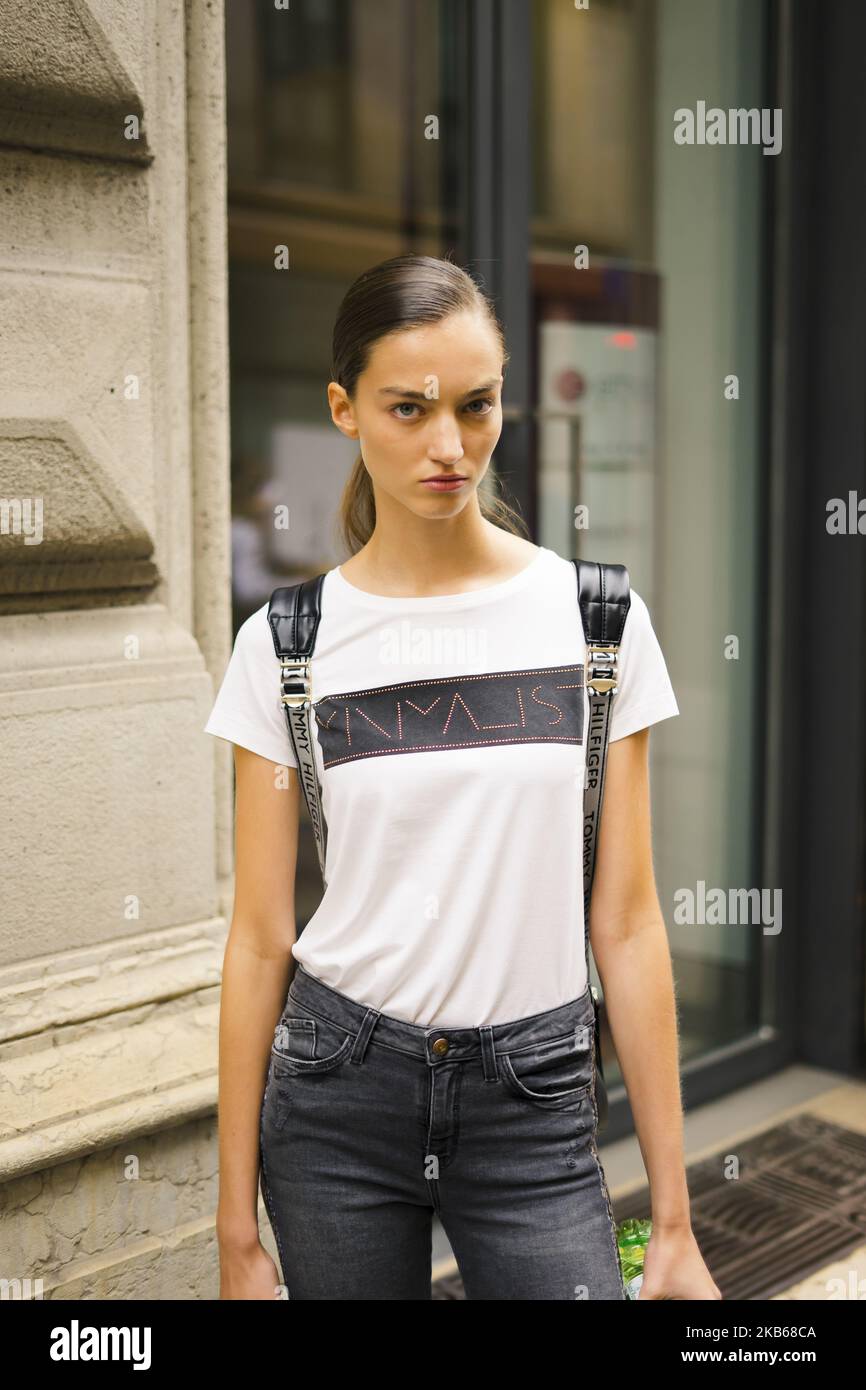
{"x":443,"y":484}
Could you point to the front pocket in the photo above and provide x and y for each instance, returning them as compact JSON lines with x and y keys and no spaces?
{"x":296,"y":1038}
{"x":309,"y":1045}
{"x":556,"y":1075}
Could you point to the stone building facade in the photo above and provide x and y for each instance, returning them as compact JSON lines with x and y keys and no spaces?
{"x":114,"y":611}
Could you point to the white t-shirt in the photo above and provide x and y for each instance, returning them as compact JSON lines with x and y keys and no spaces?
{"x":450,"y":749}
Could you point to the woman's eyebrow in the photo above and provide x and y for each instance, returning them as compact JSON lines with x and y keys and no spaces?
{"x":420,"y":396}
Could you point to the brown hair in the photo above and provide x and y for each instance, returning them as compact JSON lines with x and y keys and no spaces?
{"x":403,"y":292}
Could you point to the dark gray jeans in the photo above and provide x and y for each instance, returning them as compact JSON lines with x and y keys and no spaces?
{"x":369,"y":1125}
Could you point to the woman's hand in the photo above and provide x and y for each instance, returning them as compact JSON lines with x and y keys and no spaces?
{"x":674,"y":1267}
{"x":247,"y":1271}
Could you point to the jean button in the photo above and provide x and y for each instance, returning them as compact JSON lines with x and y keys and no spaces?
{"x":440,"y":1047}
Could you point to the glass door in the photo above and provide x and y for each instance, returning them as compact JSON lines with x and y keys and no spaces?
{"x":648,"y":292}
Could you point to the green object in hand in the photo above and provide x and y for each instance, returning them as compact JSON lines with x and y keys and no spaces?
{"x":632,"y":1239}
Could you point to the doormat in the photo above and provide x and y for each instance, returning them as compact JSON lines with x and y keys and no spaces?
{"x":798,"y":1201}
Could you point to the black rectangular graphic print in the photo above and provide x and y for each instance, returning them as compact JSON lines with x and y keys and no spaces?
{"x":542,"y":705}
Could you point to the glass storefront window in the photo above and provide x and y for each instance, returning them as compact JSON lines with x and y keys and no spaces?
{"x":640,"y":453}
{"x":648,"y":453}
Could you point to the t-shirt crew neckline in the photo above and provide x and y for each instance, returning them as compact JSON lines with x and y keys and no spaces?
{"x":471,"y":598}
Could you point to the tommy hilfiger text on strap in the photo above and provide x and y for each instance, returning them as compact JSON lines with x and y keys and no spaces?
{"x":294,"y":613}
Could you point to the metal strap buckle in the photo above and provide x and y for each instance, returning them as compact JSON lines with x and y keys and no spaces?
{"x":601,"y":655}
{"x":296,"y":682}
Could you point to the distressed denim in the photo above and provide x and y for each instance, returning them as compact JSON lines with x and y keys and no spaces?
{"x":369,"y":1125}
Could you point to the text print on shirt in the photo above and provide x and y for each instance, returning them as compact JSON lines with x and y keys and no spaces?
{"x":540,"y":705}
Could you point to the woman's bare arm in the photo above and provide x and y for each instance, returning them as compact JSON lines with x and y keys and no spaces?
{"x":630,"y":946}
{"x":256,"y":974}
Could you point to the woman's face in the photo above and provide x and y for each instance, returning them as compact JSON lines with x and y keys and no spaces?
{"x":427,"y":406}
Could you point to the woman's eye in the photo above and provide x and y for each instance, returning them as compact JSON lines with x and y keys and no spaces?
{"x":482,"y":400}
{"x":405,"y":405}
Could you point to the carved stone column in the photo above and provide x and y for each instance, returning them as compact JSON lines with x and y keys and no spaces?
{"x":114,"y":607}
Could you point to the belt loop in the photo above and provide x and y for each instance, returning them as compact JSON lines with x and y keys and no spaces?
{"x":371,"y":1018}
{"x":488,"y":1053}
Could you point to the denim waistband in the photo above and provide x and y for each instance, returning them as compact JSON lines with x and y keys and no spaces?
{"x":462,"y":1043}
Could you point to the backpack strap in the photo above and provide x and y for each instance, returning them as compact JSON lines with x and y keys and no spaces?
{"x":603,"y":597}
{"x":294,"y":613}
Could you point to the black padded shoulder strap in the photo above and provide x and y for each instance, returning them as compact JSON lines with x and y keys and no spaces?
{"x":293,"y":615}
{"x":603,"y":595}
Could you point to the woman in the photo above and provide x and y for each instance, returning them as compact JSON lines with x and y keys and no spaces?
{"x":434,"y":1051}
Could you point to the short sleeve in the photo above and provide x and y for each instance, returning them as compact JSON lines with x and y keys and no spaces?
{"x":247,"y":710}
{"x":644,"y":694}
